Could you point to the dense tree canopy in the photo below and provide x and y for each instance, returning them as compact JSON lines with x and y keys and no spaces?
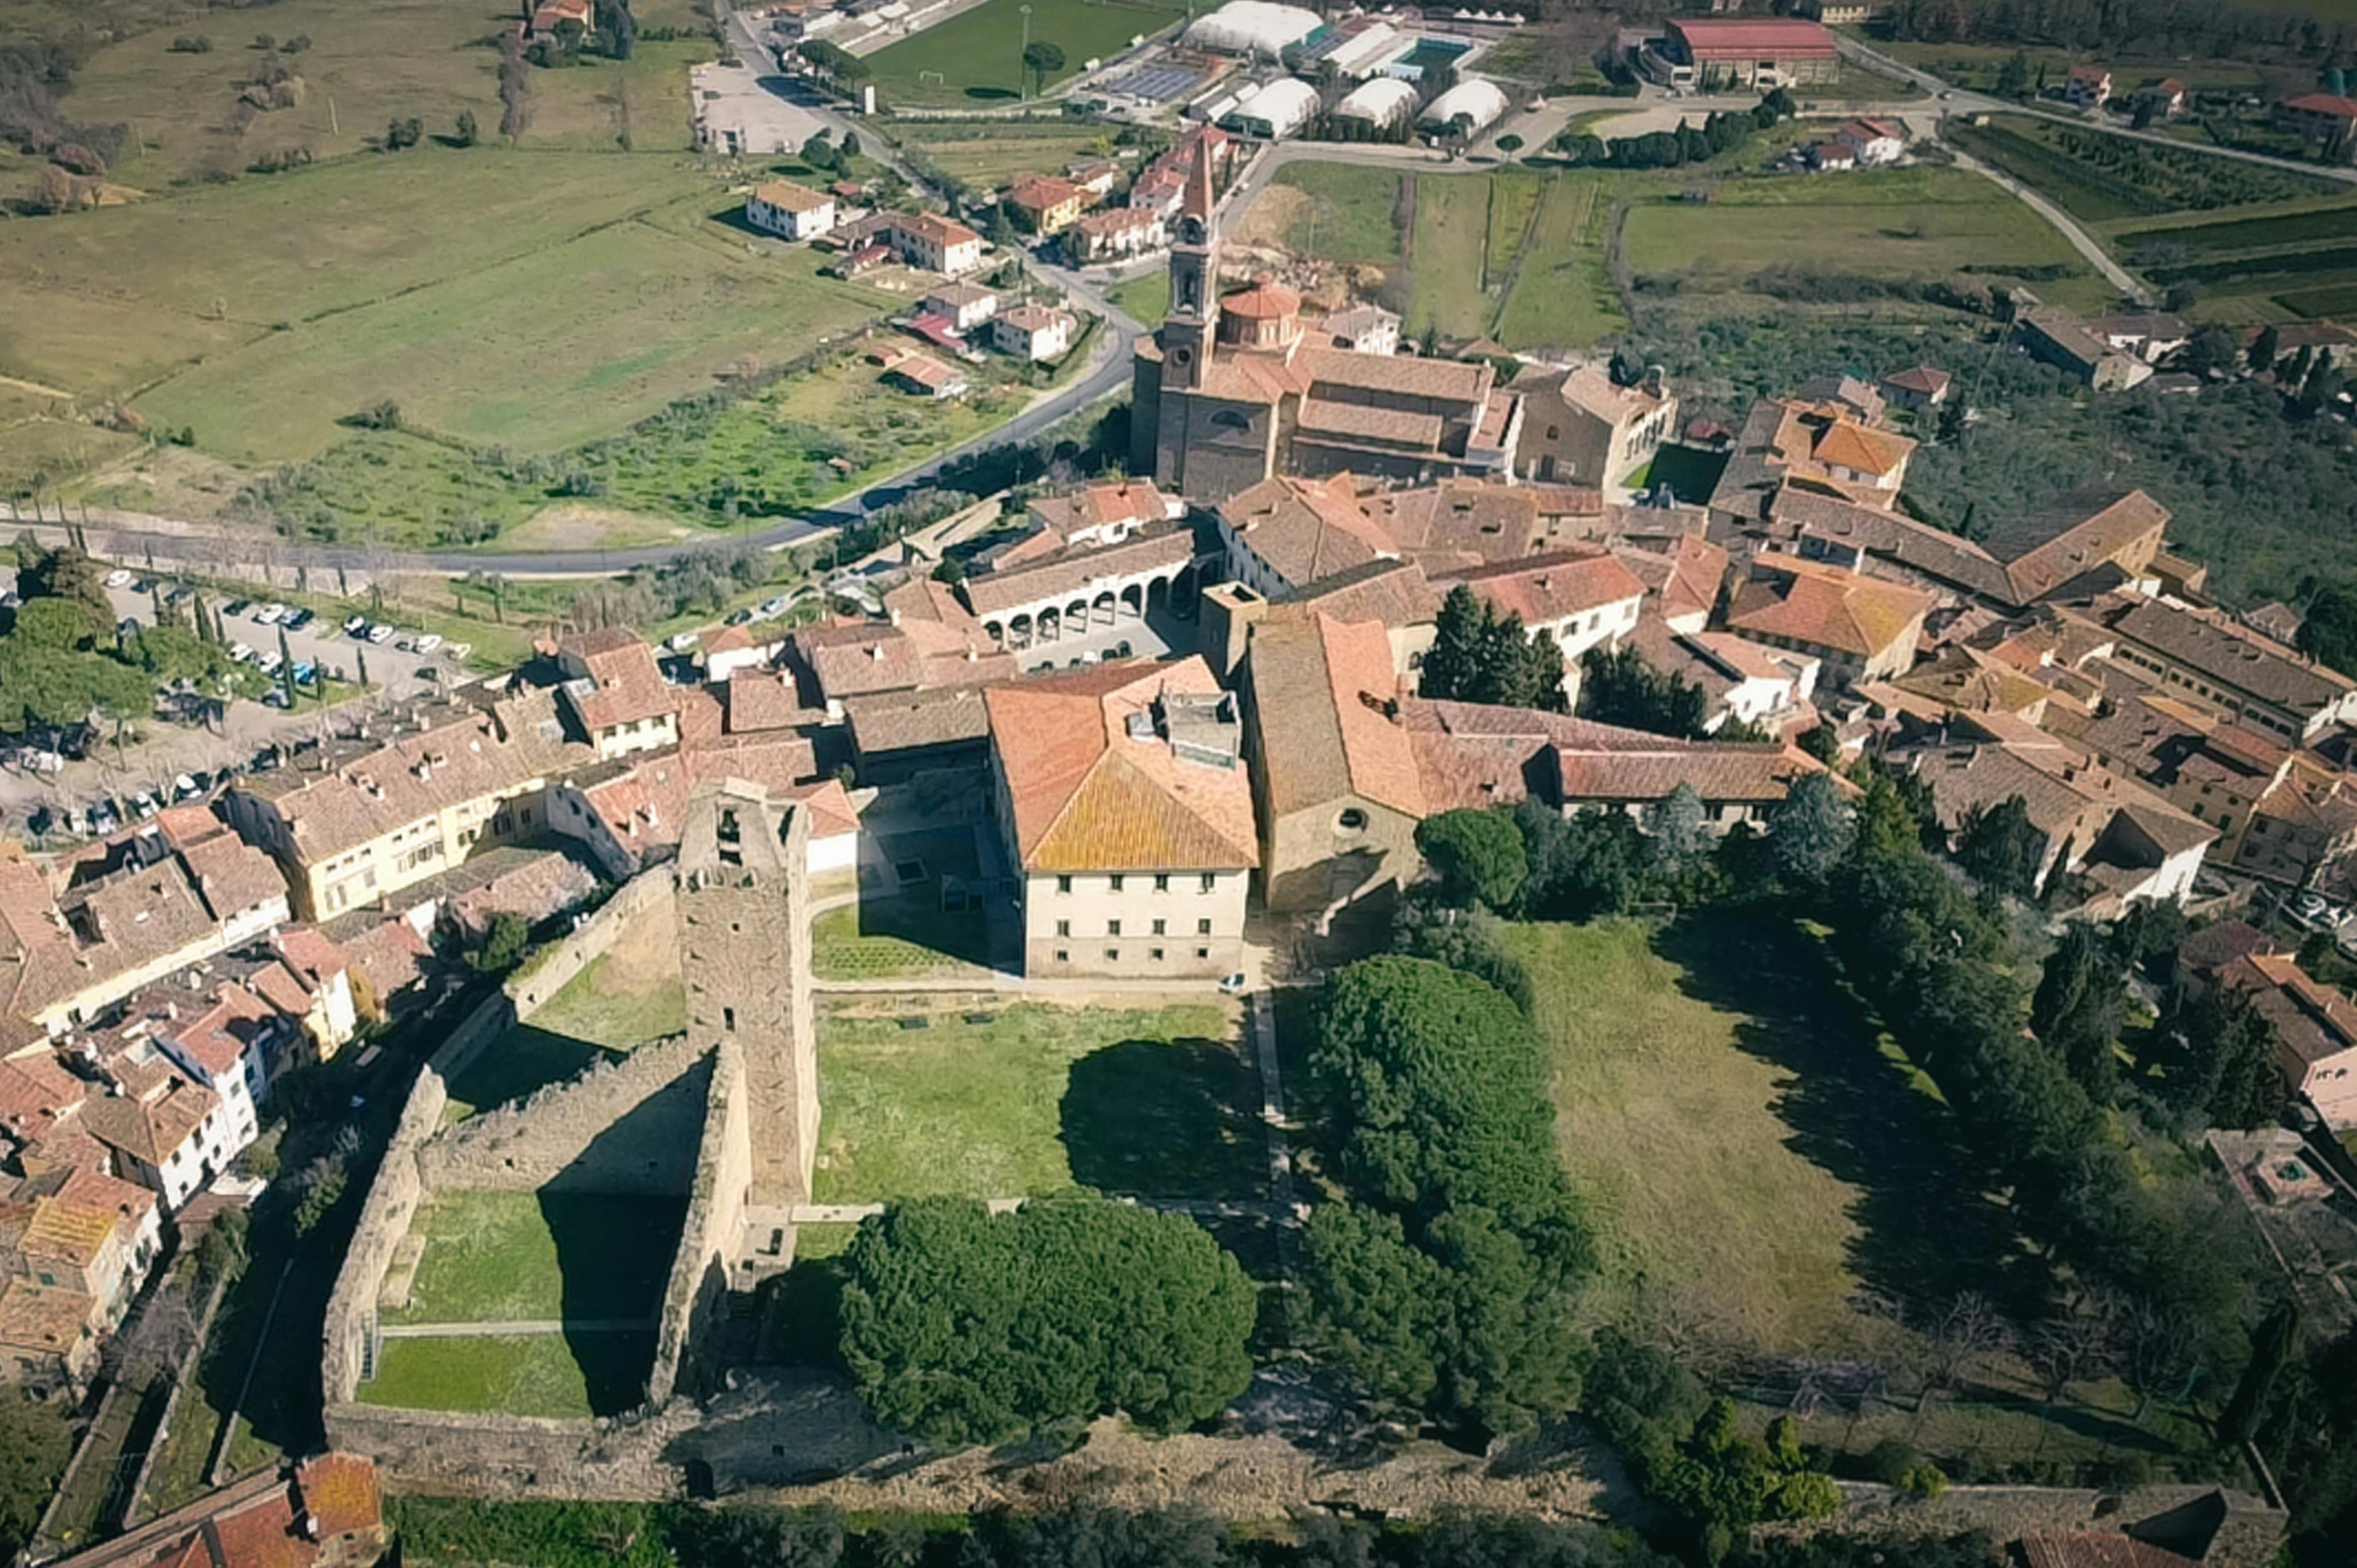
{"x":1618,"y":687}
{"x":34,"y":1443}
{"x":1480,"y":656}
{"x":1476,"y":854}
{"x":968,"y":1328}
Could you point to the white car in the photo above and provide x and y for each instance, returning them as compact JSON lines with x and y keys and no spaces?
{"x":681,"y":641}
{"x":270,"y":615}
{"x":269,"y":663}
{"x":380,"y":633}
{"x":355,"y":625}
{"x":239,"y":654}
{"x":429,"y":642}
{"x":118,"y":578}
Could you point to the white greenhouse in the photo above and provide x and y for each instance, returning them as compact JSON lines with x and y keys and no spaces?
{"x":1381,"y":103}
{"x":1479,"y":102}
{"x":1273,"y":111}
{"x":1253,"y":27}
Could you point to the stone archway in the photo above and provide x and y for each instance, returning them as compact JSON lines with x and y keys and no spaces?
{"x":1051,"y":625}
{"x":996,"y":632}
{"x":1104,"y":605}
{"x":1133,"y":602}
{"x":1020,"y":631}
{"x":1076,"y":615}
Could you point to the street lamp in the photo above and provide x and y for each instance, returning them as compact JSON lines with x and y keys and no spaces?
{"x":1022,"y":61}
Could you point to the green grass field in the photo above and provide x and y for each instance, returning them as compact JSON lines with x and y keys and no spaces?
{"x":1146,"y":298}
{"x":530,"y":301}
{"x":992,"y":152}
{"x":976,"y":57}
{"x":614,"y":1002}
{"x":1150,"y":1101}
{"x":506,"y":1257}
{"x":1924,"y":223}
{"x":880,"y":937}
{"x":556,"y":1375}
{"x":1345,"y":212}
{"x":1562,"y":296}
{"x":1448,"y":249}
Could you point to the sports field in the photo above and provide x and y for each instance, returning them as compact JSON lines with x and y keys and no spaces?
{"x":977,"y":56}
{"x":997,"y":1101}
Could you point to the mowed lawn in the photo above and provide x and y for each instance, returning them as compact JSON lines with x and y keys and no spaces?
{"x":522,"y":299}
{"x":1907,"y":223}
{"x":514,"y":1257}
{"x":1562,"y":294}
{"x":1668,"y":1119}
{"x":999,"y":1101}
{"x":977,"y":55}
{"x":1447,"y":249}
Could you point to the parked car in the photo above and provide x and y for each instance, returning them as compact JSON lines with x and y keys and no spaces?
{"x":773,"y":607}
{"x":458,"y":651}
{"x":185,"y":787}
{"x":239,"y":654}
{"x":144,"y":804}
{"x":267,"y":760}
{"x":355,"y":626}
{"x":379,"y":634}
{"x":739,"y":617}
{"x":118,"y":578}
{"x":681,"y":641}
{"x":269,"y":663}
{"x":237,"y":606}
{"x":180,"y":595}
{"x":304,"y":670}
{"x":429,"y":642}
{"x":270,"y":615}
{"x":404,"y":645}
{"x":274,"y":698}
{"x":143,"y":586}
{"x":300,"y":619}
{"x":104,"y":818}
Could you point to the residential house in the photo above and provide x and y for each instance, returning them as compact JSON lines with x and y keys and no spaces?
{"x":964,"y":305}
{"x":1874,"y":140}
{"x":1114,"y":233}
{"x":2150,"y":336}
{"x":2217,"y":771}
{"x":2125,"y":840}
{"x":2166,"y":94}
{"x":1362,"y":329}
{"x":904,"y":735}
{"x":325,"y":1512}
{"x":1916,"y":389}
{"x":925,"y":241}
{"x":75,"y":1247}
{"x":1832,"y":157}
{"x":2303,"y":831}
{"x":1031,"y":332}
{"x":748,"y":646}
{"x":2085,"y":541}
{"x":162,"y":1128}
{"x":614,"y":691}
{"x":1335,"y":778}
{"x":1043,"y":204}
{"x":790,"y":212}
{"x":1683,"y":578}
{"x":555,"y":20}
{"x":2063,"y":339}
{"x":1092,"y":515}
{"x":1819,"y":447}
{"x":1741,"y":681}
{"x":363,"y":818}
{"x":1581,"y":427}
{"x":47,"y":1347}
{"x":2325,"y":117}
{"x":1579,"y":598}
{"x":1861,"y":628}
{"x":2087,"y":86}
{"x":1739,"y":782}
{"x":1125,"y":808}
{"x":2315,"y":1027}
{"x":1096,"y":179}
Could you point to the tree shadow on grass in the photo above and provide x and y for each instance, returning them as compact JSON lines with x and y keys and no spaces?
{"x":1926,"y":1230}
{"x":1151,"y":1119}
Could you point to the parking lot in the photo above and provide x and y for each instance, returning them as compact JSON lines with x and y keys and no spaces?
{"x":168,"y":750}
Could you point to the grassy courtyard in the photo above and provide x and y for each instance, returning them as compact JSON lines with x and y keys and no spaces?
{"x":506,"y":1257}
{"x":977,"y":56}
{"x":990,"y":1099}
{"x":878,"y":938}
{"x":559,"y":1375}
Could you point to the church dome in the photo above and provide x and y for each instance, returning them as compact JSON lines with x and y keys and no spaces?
{"x":1259,"y":315}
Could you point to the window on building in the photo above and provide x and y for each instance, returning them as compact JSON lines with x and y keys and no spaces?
{"x":1162,"y":882}
{"x":728,"y":1019}
{"x":1064,"y":956}
{"x":1116,"y":879}
{"x":1064,"y":928}
{"x":1113,"y":955}
{"x":1202,"y":927}
{"x":1203,"y":953}
{"x":1063,"y":885}
{"x":1209,"y":881}
{"x":1351,"y":820}
{"x":1112,"y":927}
{"x":1161,"y":927}
{"x":1157,"y":955}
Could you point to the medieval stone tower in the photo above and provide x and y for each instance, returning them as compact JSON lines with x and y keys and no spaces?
{"x":744,"y":936}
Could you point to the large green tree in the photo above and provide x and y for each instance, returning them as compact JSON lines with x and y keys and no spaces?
{"x":2080,"y":1004}
{"x":1476,"y":854}
{"x":1616,"y":686}
{"x":2002,"y":847}
{"x":1811,"y":829}
{"x":1480,"y":656}
{"x":35,"y":1443}
{"x":968,"y":1328}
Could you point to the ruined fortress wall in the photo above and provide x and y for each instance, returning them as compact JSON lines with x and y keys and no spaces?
{"x":2248,"y":1538}
{"x":698,"y":1290}
{"x":630,"y":1125}
{"x":401,"y":1178}
{"x":556,"y":965}
{"x":499,"y":1456}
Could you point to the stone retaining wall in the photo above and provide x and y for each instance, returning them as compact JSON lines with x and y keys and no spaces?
{"x":630,"y":1125}
{"x":2251,"y":1531}
{"x":698,"y":1289}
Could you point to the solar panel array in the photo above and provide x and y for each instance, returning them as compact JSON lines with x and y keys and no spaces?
{"x":1157,"y":84}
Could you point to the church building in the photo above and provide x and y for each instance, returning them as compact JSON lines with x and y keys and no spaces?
{"x":1231,"y":390}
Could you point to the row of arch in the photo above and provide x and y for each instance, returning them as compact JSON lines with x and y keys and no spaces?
{"x":1082,"y":615}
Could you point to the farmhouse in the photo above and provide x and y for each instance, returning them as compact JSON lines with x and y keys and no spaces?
{"x":1920,"y":387}
{"x":791,"y":211}
{"x":1233,"y":390}
{"x":964,"y":305}
{"x":1123,"y":798}
{"x":2319,"y":117}
{"x":1874,"y":140}
{"x":1763,"y":52}
{"x":2087,"y":86}
{"x":926,"y":240}
{"x":2065,"y":340}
